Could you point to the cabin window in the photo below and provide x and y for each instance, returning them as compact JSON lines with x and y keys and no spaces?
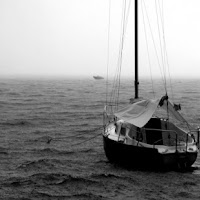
{"x":132,"y":132}
{"x":123,"y":131}
{"x":139,"y":135}
{"x":117,"y":128}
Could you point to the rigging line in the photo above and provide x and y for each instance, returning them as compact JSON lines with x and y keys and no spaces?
{"x":108,"y":49}
{"x":115,"y":84}
{"x":164,"y":46}
{"x":122,"y":46}
{"x":163,"y":37}
{"x":158,"y":26}
{"x":113,"y":88}
{"x":117,"y":74}
{"x":147,"y":50}
{"x":87,"y":140}
{"x":88,"y":131}
{"x":163,"y":32}
{"x":119,"y":58}
{"x":113,"y":93}
{"x":165,"y":49}
{"x":159,"y":12}
{"x":124,"y":22}
{"x":70,"y":137}
{"x":153,"y":40}
{"x":127,"y":15}
{"x":170,"y":78}
{"x":124,"y":26}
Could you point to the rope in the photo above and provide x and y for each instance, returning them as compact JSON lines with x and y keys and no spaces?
{"x":162,"y":56}
{"x":165,"y":55}
{"x":148,"y":51}
{"x":117,"y":79}
{"x":116,"y":84}
{"x":128,"y":11}
{"x":86,"y":140}
{"x":108,"y":50}
{"x":153,"y":41}
{"x":121,"y":49}
{"x":79,"y":134}
{"x":165,"y":48}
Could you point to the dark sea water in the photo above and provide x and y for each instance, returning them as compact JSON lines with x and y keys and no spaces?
{"x":44,"y":152}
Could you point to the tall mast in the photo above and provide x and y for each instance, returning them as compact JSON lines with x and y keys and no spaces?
{"x":136,"y":49}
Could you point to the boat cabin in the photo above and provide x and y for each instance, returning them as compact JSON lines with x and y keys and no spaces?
{"x":156,"y":132}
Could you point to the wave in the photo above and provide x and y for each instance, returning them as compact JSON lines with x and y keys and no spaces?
{"x":48,"y":179}
{"x":39,"y":164}
{"x":36,"y":95}
{"x":47,"y":139}
{"x":75,"y":180}
{"x":3,"y":151}
{"x":16,"y":123}
{"x":40,"y":132}
{"x":110,"y":176}
{"x":88,"y":195}
{"x":190,"y":183}
{"x":85,"y":150}
{"x":184,"y":195}
{"x":4,"y":102}
{"x":82,"y":196}
{"x":13,"y":94}
{"x":106,"y":176}
{"x":76,"y":186}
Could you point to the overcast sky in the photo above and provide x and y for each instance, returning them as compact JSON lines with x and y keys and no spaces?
{"x":69,"y":37}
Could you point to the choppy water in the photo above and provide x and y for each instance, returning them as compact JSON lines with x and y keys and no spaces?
{"x":43,"y":124}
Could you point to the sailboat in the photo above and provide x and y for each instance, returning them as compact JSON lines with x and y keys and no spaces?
{"x":135,"y":136}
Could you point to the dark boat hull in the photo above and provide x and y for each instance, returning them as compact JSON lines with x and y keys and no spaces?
{"x":136,"y":156}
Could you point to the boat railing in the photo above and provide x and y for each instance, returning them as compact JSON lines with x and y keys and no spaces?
{"x":163,"y":130}
{"x":177,"y":139}
{"x":197,"y":133}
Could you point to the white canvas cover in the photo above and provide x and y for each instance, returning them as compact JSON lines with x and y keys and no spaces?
{"x":167,"y":105}
{"x":140,"y":113}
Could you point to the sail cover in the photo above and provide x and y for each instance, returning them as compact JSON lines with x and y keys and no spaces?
{"x":140,"y":113}
{"x":167,"y":105}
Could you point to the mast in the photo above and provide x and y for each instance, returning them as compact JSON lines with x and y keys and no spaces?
{"x":136,"y":49}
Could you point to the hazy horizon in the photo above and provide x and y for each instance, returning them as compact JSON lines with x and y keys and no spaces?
{"x":61,"y":77}
{"x":49,"y":38}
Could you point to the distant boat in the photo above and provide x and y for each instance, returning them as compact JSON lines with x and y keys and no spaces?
{"x":98,"y":77}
